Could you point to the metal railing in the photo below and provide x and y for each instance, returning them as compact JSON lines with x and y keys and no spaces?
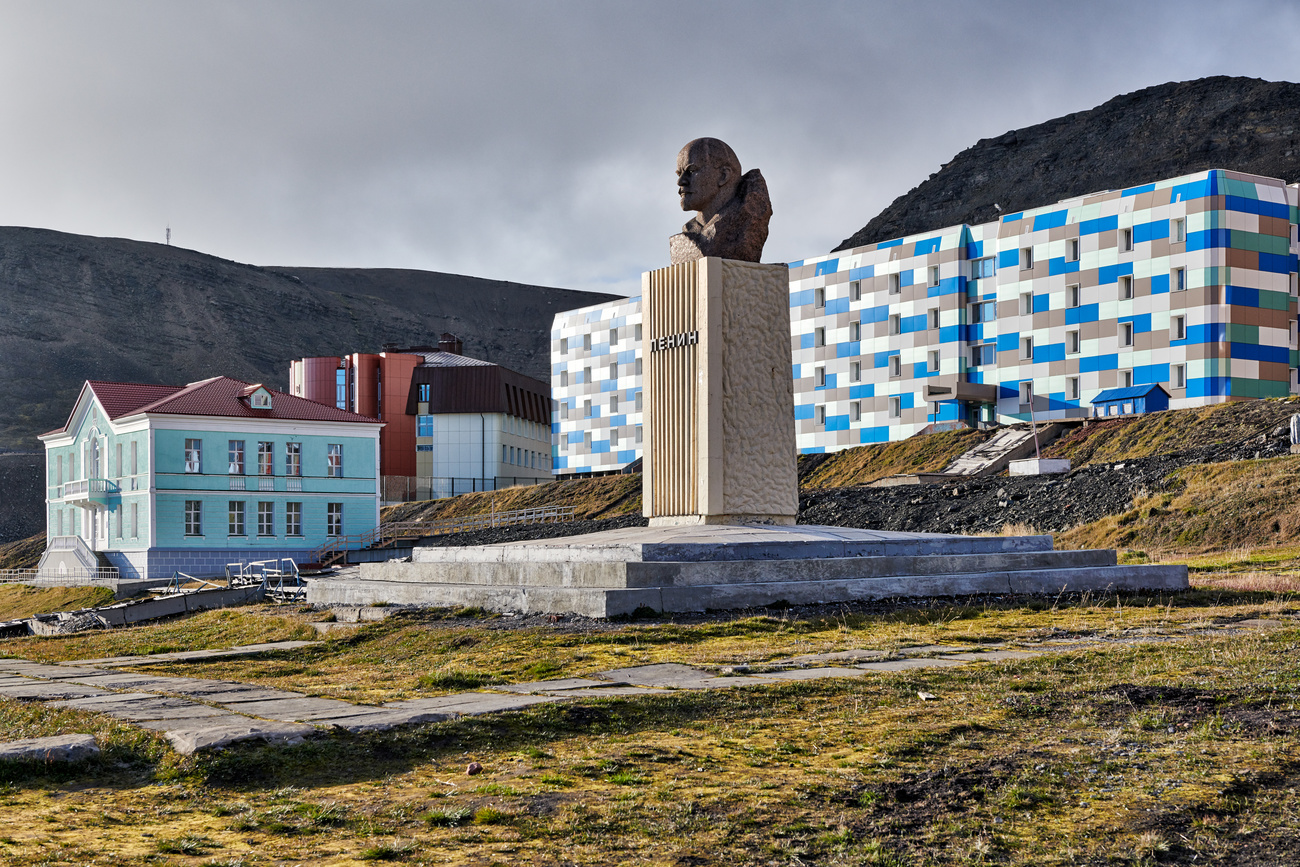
{"x":108,"y":576}
{"x":336,"y":548}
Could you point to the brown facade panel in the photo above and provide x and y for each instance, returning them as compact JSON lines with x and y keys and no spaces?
{"x":1274,"y":371}
{"x":1241,"y":259}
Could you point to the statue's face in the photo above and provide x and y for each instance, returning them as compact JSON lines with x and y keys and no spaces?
{"x":699,"y":180}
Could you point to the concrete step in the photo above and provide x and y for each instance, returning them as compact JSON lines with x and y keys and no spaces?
{"x":597,"y":602}
{"x":610,"y":575}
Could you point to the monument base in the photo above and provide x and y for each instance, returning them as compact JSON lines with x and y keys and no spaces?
{"x":701,"y":520}
{"x":701,"y":567}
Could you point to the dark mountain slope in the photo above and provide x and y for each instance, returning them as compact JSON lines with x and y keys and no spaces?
{"x":75,"y":308}
{"x":1243,"y":124}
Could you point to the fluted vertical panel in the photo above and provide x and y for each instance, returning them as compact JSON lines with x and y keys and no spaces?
{"x":671,"y":384}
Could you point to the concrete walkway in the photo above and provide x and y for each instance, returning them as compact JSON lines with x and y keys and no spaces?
{"x":196,"y":714}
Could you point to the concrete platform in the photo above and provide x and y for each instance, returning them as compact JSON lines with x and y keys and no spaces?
{"x":695,"y":568}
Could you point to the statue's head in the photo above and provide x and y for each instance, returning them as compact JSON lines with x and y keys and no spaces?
{"x":708,"y":173}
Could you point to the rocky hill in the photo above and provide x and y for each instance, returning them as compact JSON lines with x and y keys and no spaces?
{"x":74,"y":308}
{"x":1244,"y":124}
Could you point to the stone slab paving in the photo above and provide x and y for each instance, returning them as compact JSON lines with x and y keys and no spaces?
{"x":196,"y":714}
{"x":189,"y":655}
{"x":60,"y":748}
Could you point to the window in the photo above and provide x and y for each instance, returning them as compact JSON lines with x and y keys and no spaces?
{"x":985,"y":353}
{"x":1073,"y":295}
{"x":895,"y":284}
{"x":236,"y":465}
{"x":895,"y":365}
{"x":933,"y":317}
{"x":423,"y":393}
{"x":895,"y":323}
{"x":1180,"y":376}
{"x":194,"y":456}
{"x":135,"y":458}
{"x":855,"y":410}
{"x":1126,"y":286}
{"x":638,"y":401}
{"x":932,"y":364}
{"x":984,"y":311}
{"x":1026,"y":258}
{"x":266,"y":519}
{"x":1027,"y":348}
{"x":424,"y":425}
{"x":855,"y":290}
{"x":1126,"y":240}
{"x":340,"y":388}
{"x":1178,"y":231}
{"x":613,"y":370}
{"x":1178,"y":279}
{"x":293,"y":519}
{"x":586,"y":374}
{"x":58,"y":462}
{"x":934,"y":276}
{"x":637,"y":331}
{"x":819,"y":374}
{"x":819,"y":297}
{"x":117,"y":454}
{"x":819,"y":337}
{"x":266,"y":459}
{"x":293,"y":459}
{"x":638,"y":367}
{"x":564,"y":379}
{"x":586,"y":440}
{"x":855,"y":331}
{"x":1126,"y":334}
{"x":821,"y":415}
{"x":613,"y":404}
{"x":1072,"y":388}
{"x":586,"y":342}
{"x":1026,"y":304}
{"x":135,"y":520}
{"x":1026,"y":393}
{"x":1126,"y":378}
{"x":334,"y":519}
{"x":1178,"y":328}
{"x":564,"y":409}
{"x":193,"y":517}
{"x":613,"y":438}
{"x":855,"y":371}
{"x":1072,"y":343}
{"x":334,"y":461}
{"x":613,"y":336}
{"x":58,"y":522}
{"x":564,"y":346}
{"x":638,"y":433}
{"x":980,"y":268}
{"x":1295,"y":283}
{"x":586,"y":409}
{"x":235,"y":513}
{"x":895,"y":407}
{"x":1072,"y":249}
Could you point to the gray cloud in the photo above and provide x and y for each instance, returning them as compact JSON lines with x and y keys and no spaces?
{"x":535,"y":141}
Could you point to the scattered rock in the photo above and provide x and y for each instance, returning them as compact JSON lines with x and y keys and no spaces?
{"x":60,"y":748}
{"x":474,"y":768}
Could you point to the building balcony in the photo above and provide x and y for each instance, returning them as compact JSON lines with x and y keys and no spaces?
{"x":89,"y":493}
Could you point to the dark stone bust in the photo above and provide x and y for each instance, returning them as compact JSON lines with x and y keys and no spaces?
{"x":733,"y":209}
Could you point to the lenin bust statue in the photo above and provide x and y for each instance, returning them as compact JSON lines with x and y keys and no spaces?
{"x":733,"y":208}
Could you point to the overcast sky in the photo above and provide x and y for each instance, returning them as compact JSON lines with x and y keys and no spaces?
{"x":535,"y":141}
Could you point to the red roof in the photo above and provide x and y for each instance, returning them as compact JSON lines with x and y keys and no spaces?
{"x":219,"y":396}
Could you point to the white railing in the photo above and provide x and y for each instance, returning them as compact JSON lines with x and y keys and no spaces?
{"x":109,"y":576}
{"x":294,"y":485}
{"x":237,"y":483}
{"x":266,"y":483}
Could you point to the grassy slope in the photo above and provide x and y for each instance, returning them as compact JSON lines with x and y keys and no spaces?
{"x":22,"y":554}
{"x":18,"y":601}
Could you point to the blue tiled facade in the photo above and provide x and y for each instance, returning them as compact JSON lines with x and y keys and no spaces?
{"x":1188,"y":282}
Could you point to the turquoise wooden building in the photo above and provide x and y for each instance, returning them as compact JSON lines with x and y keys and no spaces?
{"x":155,"y":479}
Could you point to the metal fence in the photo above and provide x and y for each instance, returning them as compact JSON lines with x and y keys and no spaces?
{"x":69,"y":577}
{"x":405,"y":489}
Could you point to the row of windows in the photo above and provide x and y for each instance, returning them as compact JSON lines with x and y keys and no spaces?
{"x":615,"y":440}
{"x":115,"y":523}
{"x":265,"y":458}
{"x":987,"y":266}
{"x":614,"y":404}
{"x":524,"y":458}
{"x":586,"y":373}
{"x":615,"y":334}
{"x":986,"y":353}
{"x":236,"y":511}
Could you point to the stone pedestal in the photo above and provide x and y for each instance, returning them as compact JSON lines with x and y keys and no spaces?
{"x":719,"y":437}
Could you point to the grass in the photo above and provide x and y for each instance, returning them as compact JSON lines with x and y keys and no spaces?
{"x":1123,"y":752}
{"x":18,"y":600}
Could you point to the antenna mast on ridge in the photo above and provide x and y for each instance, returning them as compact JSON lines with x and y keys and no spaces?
{"x":169,"y":234}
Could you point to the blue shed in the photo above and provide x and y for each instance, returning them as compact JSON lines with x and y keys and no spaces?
{"x":1130,"y":401}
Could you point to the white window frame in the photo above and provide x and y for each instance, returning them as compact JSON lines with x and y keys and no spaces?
{"x":855,"y":371}
{"x":1179,"y":376}
{"x":895,"y":407}
{"x":819,"y":376}
{"x":855,"y":290}
{"x":1027,"y":348}
{"x":1074,"y":295}
{"x":1026,"y":394}
{"x":895,"y":284}
{"x":1178,"y":230}
{"x":193,"y":456}
{"x":1072,"y":249}
{"x":819,"y":336}
{"x":855,"y":331}
{"x":1178,"y":280}
{"x":1178,"y":328}
{"x":1126,"y":240}
{"x":819,"y":297}
{"x":193,"y":517}
{"x":1072,"y":391}
{"x":1073,"y":342}
{"x":932,"y":317}
{"x":895,"y":365}
{"x":1026,"y":303}
{"x":1125,"y":287}
{"x":1126,"y":334}
{"x":855,"y":411}
{"x":1026,"y":258}
{"x":895,"y":323}
{"x":932,"y":361}
{"x":933,"y":272}
{"x":820,"y":418}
